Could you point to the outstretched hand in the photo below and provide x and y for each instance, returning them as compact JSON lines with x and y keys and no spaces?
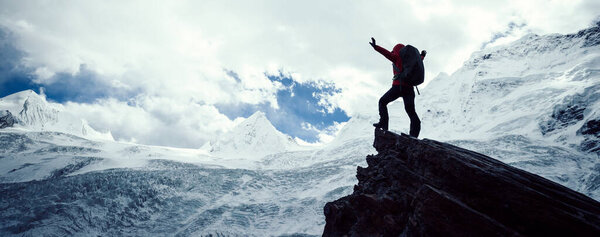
{"x":372,"y":43}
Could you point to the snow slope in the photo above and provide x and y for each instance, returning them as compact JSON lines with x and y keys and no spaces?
{"x":533,"y":103}
{"x":515,"y":88}
{"x":60,"y":184}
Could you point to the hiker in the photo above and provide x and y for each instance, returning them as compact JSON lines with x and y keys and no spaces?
{"x":408,"y":72}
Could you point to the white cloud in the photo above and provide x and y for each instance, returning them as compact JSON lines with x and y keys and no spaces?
{"x":324,"y":136}
{"x":156,"y":120}
{"x":176,"y":51}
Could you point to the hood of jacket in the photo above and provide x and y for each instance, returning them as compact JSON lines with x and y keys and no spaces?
{"x":397,"y":48}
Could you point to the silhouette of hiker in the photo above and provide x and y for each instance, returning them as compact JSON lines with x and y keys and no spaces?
{"x":400,"y":88}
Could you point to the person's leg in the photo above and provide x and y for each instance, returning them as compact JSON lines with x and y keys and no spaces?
{"x":391,"y":95}
{"x":415,"y":123}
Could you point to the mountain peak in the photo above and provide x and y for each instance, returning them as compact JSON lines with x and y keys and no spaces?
{"x":31,"y":111}
{"x":259,"y":118}
{"x":37,"y":112}
{"x":522,"y":83}
{"x":258,"y":115}
{"x":254,"y":137}
{"x":256,"y":124}
{"x":536,"y":52}
{"x":22,"y":96}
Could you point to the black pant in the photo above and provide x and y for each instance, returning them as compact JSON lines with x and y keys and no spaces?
{"x":408,"y":96}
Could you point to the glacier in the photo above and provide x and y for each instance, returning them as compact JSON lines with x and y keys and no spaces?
{"x":532,"y":104}
{"x":59,"y":184}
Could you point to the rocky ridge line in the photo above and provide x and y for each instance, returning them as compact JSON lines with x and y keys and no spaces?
{"x":427,"y":188}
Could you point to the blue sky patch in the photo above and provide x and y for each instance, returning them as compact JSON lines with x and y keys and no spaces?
{"x":13,"y":77}
{"x":298,"y":103}
{"x":85,"y":86}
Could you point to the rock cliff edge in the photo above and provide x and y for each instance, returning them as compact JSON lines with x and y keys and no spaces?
{"x":427,"y":188}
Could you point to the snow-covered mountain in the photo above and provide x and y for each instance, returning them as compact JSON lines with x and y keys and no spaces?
{"x":31,"y":111}
{"x":254,"y":138}
{"x":59,"y":184}
{"x":532,"y":104}
{"x":539,"y":86}
{"x":253,"y":180}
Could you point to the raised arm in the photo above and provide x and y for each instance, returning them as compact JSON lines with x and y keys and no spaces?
{"x":382,"y":51}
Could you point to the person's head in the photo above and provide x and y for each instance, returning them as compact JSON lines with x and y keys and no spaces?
{"x":397,"y":49}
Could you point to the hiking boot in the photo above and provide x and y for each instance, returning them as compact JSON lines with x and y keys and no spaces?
{"x":379,"y":126}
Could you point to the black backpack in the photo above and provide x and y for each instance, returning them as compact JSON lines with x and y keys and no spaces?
{"x":413,"y":72}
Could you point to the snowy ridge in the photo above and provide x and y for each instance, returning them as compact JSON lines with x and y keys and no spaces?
{"x":358,"y":127}
{"x":510,"y":89}
{"x":34,"y":113}
{"x":534,"y":104}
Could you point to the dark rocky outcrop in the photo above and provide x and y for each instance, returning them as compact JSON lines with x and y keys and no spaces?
{"x":427,"y":188}
{"x":6,"y":119}
{"x":576,"y":110}
{"x":563,"y":116}
{"x":591,"y":133}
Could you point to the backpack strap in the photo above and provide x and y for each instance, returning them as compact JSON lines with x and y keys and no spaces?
{"x":397,"y":69}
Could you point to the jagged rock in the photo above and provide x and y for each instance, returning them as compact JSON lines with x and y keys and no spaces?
{"x":571,"y":112}
{"x":591,"y":127}
{"x":427,"y":188}
{"x":563,"y":116}
{"x":6,"y":119}
{"x":591,"y":132}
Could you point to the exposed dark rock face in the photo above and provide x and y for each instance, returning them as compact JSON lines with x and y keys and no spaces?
{"x":563,"y":116}
{"x":592,"y":35}
{"x":7,"y":119}
{"x":577,"y":110}
{"x":571,"y":111}
{"x":427,"y":188}
{"x":592,"y":127}
{"x":591,"y":132}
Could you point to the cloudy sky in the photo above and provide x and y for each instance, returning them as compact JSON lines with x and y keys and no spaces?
{"x":179,"y":73}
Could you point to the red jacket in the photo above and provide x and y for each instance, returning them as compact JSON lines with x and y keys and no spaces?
{"x":393,"y":56}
